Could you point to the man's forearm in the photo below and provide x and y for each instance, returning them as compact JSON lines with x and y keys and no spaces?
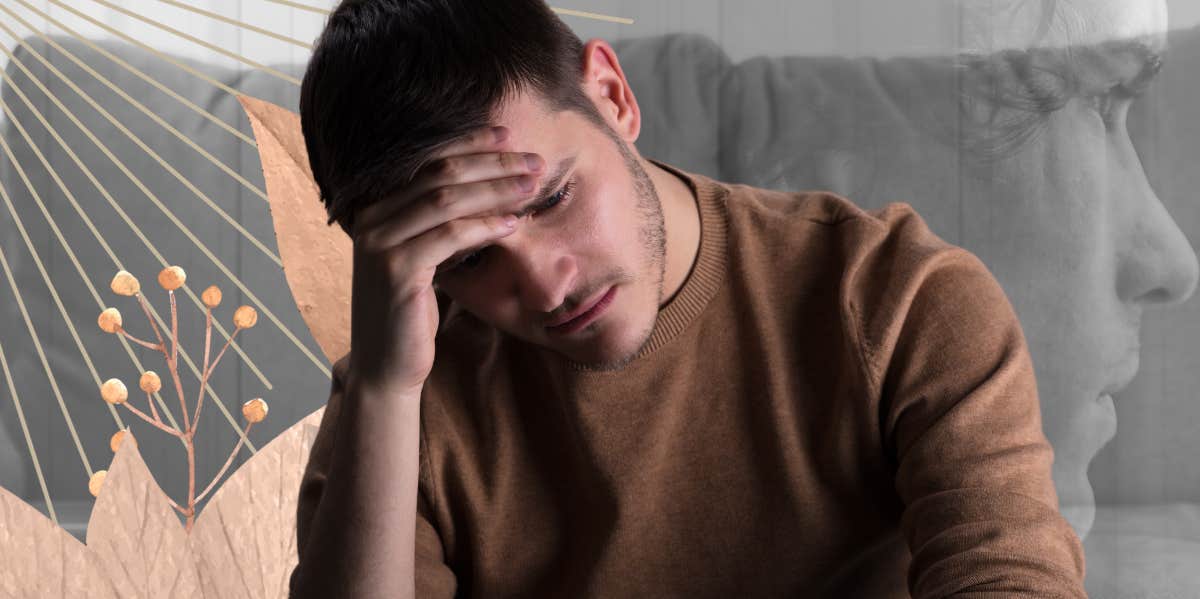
{"x":361,"y":536}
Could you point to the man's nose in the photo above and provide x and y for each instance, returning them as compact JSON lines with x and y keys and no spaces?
{"x":1158,"y":264}
{"x":543,"y":277}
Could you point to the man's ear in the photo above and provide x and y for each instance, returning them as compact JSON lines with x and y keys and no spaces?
{"x":604,"y":82}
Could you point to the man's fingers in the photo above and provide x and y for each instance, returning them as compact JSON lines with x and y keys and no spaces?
{"x":450,"y":168}
{"x":494,"y":197}
{"x":477,"y":141}
{"x":469,"y":168}
{"x":435,"y":246}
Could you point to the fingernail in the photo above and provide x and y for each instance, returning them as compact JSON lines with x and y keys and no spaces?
{"x":526,"y":183}
{"x":500,"y":132}
{"x":534,"y":161}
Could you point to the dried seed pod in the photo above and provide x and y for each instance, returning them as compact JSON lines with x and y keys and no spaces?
{"x":114,"y":392}
{"x":245,"y":317}
{"x":96,"y":482}
{"x":109,"y":320}
{"x":150,"y":383}
{"x":211,"y":296}
{"x":255,"y":410}
{"x":125,"y":284}
{"x":118,"y":438}
{"x":171,"y":278}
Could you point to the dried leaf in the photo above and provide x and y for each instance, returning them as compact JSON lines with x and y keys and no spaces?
{"x":317,"y":257}
{"x":41,"y":559}
{"x":245,"y":538}
{"x":138,"y":538}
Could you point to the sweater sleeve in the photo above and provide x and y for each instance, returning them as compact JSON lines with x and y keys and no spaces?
{"x":959,"y":418}
{"x":434,"y":578}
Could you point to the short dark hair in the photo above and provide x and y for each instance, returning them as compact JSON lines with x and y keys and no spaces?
{"x":389,"y":82}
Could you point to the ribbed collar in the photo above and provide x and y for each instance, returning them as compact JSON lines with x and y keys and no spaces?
{"x":706,"y":276}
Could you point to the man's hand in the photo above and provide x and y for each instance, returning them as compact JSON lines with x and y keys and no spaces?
{"x":459,"y":200}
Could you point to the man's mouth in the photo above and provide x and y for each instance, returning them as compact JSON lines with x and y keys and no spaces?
{"x":585,"y":314}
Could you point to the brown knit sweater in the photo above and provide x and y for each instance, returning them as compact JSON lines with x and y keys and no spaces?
{"x":830,"y":390}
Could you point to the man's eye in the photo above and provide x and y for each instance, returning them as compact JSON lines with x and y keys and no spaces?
{"x":563,"y":195}
{"x":470,"y":261}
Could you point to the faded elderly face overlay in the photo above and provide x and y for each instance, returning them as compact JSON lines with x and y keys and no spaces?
{"x":1069,"y":222}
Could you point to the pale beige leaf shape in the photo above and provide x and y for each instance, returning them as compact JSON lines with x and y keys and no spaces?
{"x":40,"y":559}
{"x":317,"y":258}
{"x":242,"y":545}
{"x":244,"y":539}
{"x":137,"y":536}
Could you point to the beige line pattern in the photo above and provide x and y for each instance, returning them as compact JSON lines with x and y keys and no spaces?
{"x":236,"y":23}
{"x":195,"y":40}
{"x":37,"y":465}
{"x":120,"y":212}
{"x":592,"y":15}
{"x":37,"y":345}
{"x":133,"y":70}
{"x":166,"y":90}
{"x":137,"y":140}
{"x":561,"y":11}
{"x":70,"y":253}
{"x":142,"y":107}
{"x":262,"y":307}
{"x":132,"y":177}
{"x":62,"y":310}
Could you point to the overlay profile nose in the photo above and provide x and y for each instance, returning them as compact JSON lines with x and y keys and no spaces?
{"x":1159,"y":265}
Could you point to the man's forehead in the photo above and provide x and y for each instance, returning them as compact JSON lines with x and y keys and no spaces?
{"x":530,"y":120}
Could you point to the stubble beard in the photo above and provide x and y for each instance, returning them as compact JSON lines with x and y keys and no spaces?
{"x":652,"y":238}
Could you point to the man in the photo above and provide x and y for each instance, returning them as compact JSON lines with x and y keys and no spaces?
{"x":651,"y":383}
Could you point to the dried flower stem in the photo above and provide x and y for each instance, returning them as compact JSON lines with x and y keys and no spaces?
{"x":143,"y":416}
{"x":221,"y":353}
{"x":153,"y":325}
{"x":175,"y":505}
{"x":207,"y":345}
{"x":172,"y":363}
{"x":172,"y":278}
{"x":208,"y":372}
{"x":157,"y":334}
{"x":135,"y":339}
{"x":153,"y":410}
{"x":191,"y":453}
{"x":229,"y":461}
{"x":174,"y":327}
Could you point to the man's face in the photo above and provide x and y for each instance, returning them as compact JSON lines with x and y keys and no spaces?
{"x":606,"y":231}
{"x":1072,"y":229}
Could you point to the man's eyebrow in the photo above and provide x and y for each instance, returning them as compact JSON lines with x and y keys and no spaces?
{"x":549,"y":187}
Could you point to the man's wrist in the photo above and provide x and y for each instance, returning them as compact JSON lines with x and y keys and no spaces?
{"x":371,"y":390}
